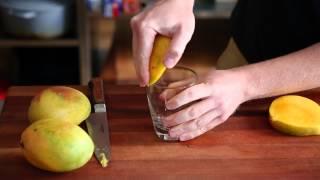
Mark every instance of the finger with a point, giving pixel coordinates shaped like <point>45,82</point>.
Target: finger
<point>198,132</point>
<point>167,94</point>
<point>194,124</point>
<point>175,88</point>
<point>180,129</point>
<point>134,50</point>
<point>193,93</point>
<point>182,83</point>
<point>208,117</point>
<point>178,44</point>
<point>143,39</point>
<point>192,112</point>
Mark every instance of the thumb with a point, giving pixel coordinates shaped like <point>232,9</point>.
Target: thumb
<point>178,44</point>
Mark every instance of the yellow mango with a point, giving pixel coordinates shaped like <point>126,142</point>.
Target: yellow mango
<point>159,51</point>
<point>54,146</point>
<point>295,115</point>
<point>60,103</point>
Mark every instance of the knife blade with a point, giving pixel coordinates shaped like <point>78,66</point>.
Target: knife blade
<point>97,122</point>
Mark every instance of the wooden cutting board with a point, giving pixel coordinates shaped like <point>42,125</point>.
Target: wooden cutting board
<point>245,147</point>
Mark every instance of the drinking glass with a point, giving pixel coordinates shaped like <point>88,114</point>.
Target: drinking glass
<point>172,82</point>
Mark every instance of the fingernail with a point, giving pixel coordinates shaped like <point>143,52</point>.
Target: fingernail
<point>174,133</point>
<point>170,61</point>
<point>142,84</point>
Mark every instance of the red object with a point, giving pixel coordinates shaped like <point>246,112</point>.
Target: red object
<point>115,10</point>
<point>4,85</point>
<point>131,6</point>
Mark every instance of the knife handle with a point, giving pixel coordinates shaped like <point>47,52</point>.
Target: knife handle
<point>96,87</point>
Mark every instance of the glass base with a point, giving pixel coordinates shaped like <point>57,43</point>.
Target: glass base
<point>161,131</point>
<point>164,135</point>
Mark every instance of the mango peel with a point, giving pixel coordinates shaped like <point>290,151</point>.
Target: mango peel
<point>156,64</point>
<point>295,115</point>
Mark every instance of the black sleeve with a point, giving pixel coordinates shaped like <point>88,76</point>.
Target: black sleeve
<point>265,29</point>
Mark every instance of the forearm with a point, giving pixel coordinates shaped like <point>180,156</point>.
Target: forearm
<point>286,74</point>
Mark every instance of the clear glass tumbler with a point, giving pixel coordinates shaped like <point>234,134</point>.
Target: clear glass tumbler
<point>171,83</point>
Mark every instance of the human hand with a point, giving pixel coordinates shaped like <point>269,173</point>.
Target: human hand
<point>217,96</point>
<point>172,18</point>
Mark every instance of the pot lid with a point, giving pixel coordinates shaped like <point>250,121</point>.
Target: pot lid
<point>34,5</point>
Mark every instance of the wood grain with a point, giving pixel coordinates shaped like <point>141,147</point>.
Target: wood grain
<point>245,147</point>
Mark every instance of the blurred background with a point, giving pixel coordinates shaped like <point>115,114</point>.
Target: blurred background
<point>66,42</point>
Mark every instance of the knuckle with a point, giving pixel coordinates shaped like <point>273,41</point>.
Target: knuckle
<point>194,125</point>
<point>133,22</point>
<point>211,102</point>
<point>192,112</point>
<point>190,94</point>
<point>218,99</point>
<point>138,24</point>
<point>142,24</point>
<point>191,127</point>
<point>199,122</point>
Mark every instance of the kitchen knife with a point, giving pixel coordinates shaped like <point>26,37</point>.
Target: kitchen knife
<point>97,123</point>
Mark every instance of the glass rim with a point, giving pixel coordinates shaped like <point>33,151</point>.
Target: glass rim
<point>185,86</point>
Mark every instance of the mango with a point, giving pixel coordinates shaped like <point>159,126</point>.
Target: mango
<point>295,115</point>
<point>60,103</point>
<point>156,66</point>
<point>54,146</point>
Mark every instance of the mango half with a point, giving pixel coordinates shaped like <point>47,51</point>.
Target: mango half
<point>54,146</point>
<point>295,115</point>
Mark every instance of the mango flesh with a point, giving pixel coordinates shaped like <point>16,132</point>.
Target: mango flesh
<point>60,103</point>
<point>57,147</point>
<point>159,51</point>
<point>295,115</point>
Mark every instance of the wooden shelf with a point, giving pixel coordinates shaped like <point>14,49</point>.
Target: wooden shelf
<point>39,43</point>
<point>79,39</point>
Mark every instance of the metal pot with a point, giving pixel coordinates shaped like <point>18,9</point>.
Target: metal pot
<point>35,18</point>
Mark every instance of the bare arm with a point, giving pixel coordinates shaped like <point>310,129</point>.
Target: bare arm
<point>286,74</point>
<point>222,91</point>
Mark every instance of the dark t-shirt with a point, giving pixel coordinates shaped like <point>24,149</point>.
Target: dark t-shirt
<point>265,29</point>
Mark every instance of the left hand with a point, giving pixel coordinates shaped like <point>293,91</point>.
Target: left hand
<point>218,95</point>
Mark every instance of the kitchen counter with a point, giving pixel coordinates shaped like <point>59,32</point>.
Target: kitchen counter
<point>243,147</point>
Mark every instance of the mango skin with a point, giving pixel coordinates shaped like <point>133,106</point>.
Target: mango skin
<point>54,146</point>
<point>60,102</point>
<point>156,67</point>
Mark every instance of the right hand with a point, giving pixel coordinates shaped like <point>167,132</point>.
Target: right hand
<point>172,18</point>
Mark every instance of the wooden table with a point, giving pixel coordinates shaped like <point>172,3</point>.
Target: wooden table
<point>243,147</point>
